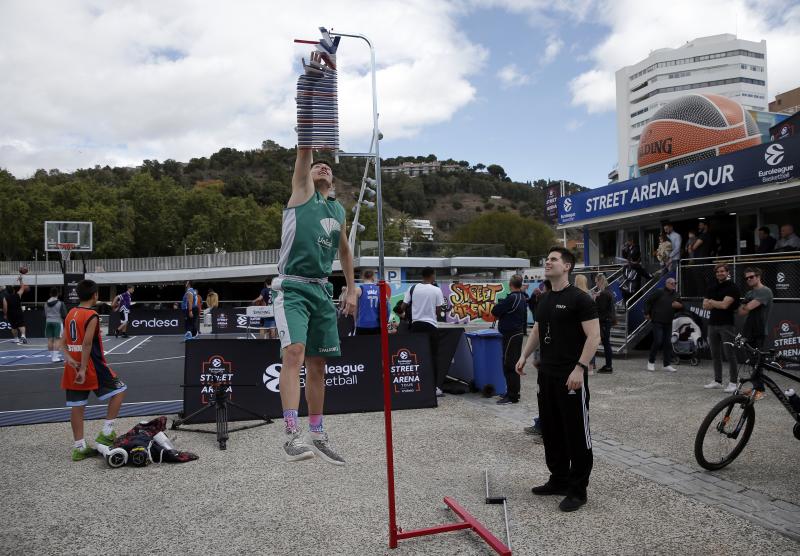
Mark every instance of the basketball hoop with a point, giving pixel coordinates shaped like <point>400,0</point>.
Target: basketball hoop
<point>66,250</point>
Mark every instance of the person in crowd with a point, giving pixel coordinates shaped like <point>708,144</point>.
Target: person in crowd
<point>631,250</point>
<point>766,243</point>
<point>54,313</point>
<point>512,317</point>
<point>756,308</point>
<point>704,244</point>
<point>568,332</point>
<point>722,300</point>
<point>632,275</point>
<point>86,370</point>
<point>12,312</point>
<point>789,241</point>
<point>675,240</point>
<point>368,308</point>
<point>268,326</point>
<point>212,299</point>
<point>607,315</point>
<point>691,237</point>
<point>123,306</point>
<point>425,300</point>
<point>659,309</point>
<point>663,251</point>
<point>190,306</point>
<point>582,283</point>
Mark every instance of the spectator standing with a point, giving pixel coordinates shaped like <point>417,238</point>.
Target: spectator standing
<point>631,250</point>
<point>54,313</point>
<point>607,315</point>
<point>659,309</point>
<point>425,300</point>
<point>766,243</point>
<point>722,300</point>
<point>212,299</point>
<point>189,307</point>
<point>789,241</point>
<point>512,317</point>
<point>632,274</point>
<point>368,320</point>
<point>663,251</point>
<point>675,239</point>
<point>582,283</point>
<point>691,237</point>
<point>704,244</point>
<point>268,327</point>
<point>756,307</point>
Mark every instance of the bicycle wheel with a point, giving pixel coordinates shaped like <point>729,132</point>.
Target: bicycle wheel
<point>724,432</point>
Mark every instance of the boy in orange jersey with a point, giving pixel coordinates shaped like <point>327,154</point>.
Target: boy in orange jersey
<point>86,369</point>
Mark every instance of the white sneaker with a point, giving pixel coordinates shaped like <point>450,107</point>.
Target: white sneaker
<point>670,369</point>
<point>731,387</point>
<point>439,393</point>
<point>714,384</point>
<point>651,366</point>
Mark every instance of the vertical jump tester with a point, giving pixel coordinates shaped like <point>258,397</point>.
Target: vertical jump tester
<point>318,128</point>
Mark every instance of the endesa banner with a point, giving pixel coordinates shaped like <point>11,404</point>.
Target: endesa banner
<point>765,164</point>
<point>34,324</point>
<point>250,370</point>
<point>144,322</point>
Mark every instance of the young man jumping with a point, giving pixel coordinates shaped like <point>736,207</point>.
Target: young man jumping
<point>312,231</point>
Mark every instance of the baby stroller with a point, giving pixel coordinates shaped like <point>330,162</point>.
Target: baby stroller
<point>687,338</point>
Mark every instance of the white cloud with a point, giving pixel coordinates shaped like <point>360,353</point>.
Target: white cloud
<point>511,76</point>
<point>638,27</point>
<point>554,46</point>
<point>90,82</point>
<point>574,125</point>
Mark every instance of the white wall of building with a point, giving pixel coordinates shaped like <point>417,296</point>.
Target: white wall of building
<point>720,64</point>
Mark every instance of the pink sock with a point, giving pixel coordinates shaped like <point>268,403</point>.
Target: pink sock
<point>315,423</point>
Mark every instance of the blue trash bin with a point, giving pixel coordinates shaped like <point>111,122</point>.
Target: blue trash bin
<point>487,360</point>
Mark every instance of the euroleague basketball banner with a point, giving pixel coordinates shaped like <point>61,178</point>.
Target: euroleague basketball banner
<point>250,370</point>
<point>226,320</point>
<point>769,163</point>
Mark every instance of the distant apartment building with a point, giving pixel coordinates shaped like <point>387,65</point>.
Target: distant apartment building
<point>424,226</point>
<point>415,169</point>
<point>786,103</point>
<point>719,64</point>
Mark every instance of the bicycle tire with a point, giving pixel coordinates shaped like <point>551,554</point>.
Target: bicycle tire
<point>749,415</point>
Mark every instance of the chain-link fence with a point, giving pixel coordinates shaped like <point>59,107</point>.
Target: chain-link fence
<point>780,272</point>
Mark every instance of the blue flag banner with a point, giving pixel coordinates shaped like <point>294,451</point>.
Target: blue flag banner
<point>769,163</point>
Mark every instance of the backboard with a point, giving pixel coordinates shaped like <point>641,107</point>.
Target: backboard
<point>79,233</point>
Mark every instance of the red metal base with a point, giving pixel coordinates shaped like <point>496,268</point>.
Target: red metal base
<point>469,523</point>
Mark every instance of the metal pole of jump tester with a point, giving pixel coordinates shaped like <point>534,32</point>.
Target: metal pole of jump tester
<point>387,397</point>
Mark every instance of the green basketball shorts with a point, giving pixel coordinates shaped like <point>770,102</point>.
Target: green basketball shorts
<point>305,314</point>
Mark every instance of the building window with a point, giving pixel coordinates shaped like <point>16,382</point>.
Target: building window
<point>703,58</point>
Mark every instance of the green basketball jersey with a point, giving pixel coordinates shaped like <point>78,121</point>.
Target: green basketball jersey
<point>310,237</point>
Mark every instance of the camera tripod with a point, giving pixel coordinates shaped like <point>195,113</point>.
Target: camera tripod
<point>220,401</point>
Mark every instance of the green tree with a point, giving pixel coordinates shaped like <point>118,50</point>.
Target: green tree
<point>514,232</point>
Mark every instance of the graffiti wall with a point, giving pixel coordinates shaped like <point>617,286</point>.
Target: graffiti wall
<point>467,302</point>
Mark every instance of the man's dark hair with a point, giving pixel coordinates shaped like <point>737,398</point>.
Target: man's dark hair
<point>321,161</point>
<point>636,258</point>
<point>722,265</point>
<point>188,283</point>
<point>367,274</point>
<point>566,256</point>
<point>268,281</point>
<point>764,229</point>
<point>516,281</point>
<point>754,270</point>
<point>86,289</point>
<point>427,272</point>
<point>129,286</point>
<point>53,292</point>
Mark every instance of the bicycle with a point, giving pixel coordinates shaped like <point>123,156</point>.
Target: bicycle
<point>724,432</point>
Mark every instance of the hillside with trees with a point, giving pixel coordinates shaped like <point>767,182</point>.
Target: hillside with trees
<point>232,201</point>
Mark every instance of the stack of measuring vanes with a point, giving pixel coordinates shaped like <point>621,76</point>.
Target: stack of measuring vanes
<point>317,98</point>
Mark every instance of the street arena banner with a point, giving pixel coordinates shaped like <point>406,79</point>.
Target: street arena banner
<point>250,371</point>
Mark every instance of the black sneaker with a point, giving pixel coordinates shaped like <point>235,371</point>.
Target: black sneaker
<point>533,431</point>
<point>116,333</point>
<point>549,489</point>
<point>505,400</point>
<point>124,334</point>
<point>604,370</point>
<point>571,503</point>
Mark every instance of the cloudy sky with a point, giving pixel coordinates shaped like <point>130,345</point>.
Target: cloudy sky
<point>527,84</point>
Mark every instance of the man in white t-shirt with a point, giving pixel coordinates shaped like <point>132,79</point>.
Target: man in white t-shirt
<point>425,301</point>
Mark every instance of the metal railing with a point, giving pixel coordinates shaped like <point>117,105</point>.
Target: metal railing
<point>431,249</point>
<point>143,264</point>
<point>780,273</point>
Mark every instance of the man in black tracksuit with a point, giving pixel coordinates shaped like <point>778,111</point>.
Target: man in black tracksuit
<point>567,331</point>
<point>512,317</point>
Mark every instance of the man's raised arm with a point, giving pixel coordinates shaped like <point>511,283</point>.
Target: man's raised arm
<point>302,185</point>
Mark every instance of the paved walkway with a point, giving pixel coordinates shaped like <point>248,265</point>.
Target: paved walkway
<point>686,477</point>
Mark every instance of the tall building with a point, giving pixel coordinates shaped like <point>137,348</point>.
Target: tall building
<point>786,103</point>
<point>720,64</point>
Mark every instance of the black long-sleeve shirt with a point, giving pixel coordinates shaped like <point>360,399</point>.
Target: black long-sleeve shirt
<point>511,313</point>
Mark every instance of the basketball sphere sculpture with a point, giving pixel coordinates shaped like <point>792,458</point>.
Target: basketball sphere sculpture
<point>695,127</point>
